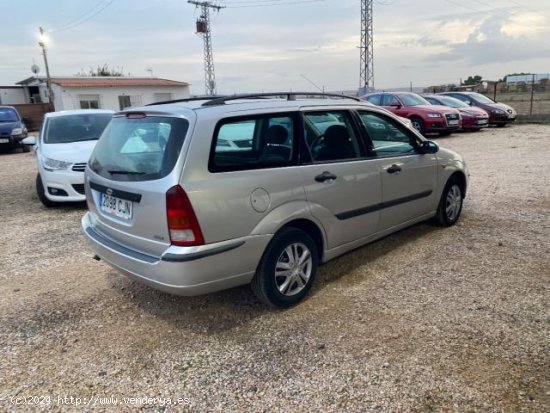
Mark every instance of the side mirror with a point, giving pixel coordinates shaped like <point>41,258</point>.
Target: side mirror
<point>29,140</point>
<point>395,104</point>
<point>429,147</point>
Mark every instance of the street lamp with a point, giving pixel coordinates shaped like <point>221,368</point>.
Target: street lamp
<point>42,42</point>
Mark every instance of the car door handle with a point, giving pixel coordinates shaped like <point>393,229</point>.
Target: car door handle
<point>394,169</point>
<point>325,176</point>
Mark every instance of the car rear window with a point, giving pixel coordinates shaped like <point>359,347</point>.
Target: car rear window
<point>75,128</point>
<point>139,149</point>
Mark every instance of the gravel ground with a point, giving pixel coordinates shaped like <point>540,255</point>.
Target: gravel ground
<point>428,319</point>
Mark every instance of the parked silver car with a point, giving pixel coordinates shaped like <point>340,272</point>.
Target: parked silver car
<point>201,195</point>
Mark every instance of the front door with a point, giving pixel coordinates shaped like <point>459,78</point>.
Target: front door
<point>408,177</point>
<point>342,185</point>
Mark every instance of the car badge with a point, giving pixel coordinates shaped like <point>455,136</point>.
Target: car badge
<point>109,191</point>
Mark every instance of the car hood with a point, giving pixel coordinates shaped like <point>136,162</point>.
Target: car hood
<point>474,110</point>
<point>7,127</point>
<point>435,108</point>
<point>75,152</point>
<point>501,106</point>
<point>446,155</point>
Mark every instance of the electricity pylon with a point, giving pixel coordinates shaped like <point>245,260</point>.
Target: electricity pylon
<point>203,29</point>
<point>366,65</point>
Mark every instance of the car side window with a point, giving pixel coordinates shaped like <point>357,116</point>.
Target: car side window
<point>388,136</point>
<point>387,100</point>
<point>254,142</point>
<point>330,136</point>
<point>432,100</point>
<point>374,99</point>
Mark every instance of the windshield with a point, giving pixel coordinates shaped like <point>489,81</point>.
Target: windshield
<point>8,115</point>
<point>409,99</point>
<point>75,128</point>
<point>453,102</point>
<point>481,98</point>
<point>139,149</point>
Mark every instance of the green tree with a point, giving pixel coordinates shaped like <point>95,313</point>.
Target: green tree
<point>473,80</point>
<point>104,70</point>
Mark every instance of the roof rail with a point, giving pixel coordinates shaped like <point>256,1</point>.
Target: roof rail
<point>192,99</point>
<point>289,96</point>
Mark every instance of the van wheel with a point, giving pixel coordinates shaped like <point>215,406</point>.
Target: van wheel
<point>40,191</point>
<point>287,269</point>
<point>450,204</point>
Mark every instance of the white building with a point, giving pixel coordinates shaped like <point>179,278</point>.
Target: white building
<point>115,93</point>
<point>12,95</point>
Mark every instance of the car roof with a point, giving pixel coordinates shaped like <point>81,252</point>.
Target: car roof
<point>78,112</point>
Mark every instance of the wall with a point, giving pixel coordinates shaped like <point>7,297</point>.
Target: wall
<point>33,114</point>
<point>67,98</point>
<point>11,95</point>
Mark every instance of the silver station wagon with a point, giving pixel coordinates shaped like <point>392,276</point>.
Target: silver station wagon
<point>200,195</point>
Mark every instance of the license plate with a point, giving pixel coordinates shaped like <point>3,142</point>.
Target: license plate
<point>4,140</point>
<point>453,122</point>
<point>482,121</point>
<point>511,117</point>
<point>118,207</point>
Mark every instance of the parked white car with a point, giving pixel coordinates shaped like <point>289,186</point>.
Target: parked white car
<point>63,148</point>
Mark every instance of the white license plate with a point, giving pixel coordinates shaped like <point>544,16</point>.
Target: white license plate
<point>511,116</point>
<point>4,140</point>
<point>453,122</point>
<point>482,121</point>
<point>118,207</point>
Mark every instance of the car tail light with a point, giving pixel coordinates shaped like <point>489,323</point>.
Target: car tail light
<point>182,222</point>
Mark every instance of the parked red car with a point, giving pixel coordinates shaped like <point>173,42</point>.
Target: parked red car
<point>425,117</point>
<point>499,114</point>
<point>473,118</point>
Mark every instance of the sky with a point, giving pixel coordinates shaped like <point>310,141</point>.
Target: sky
<point>279,45</point>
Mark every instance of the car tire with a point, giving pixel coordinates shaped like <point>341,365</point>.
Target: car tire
<point>41,192</point>
<point>418,124</point>
<point>25,148</point>
<point>287,269</point>
<point>450,204</point>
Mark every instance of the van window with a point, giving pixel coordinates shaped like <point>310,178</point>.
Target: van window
<point>265,141</point>
<point>139,149</point>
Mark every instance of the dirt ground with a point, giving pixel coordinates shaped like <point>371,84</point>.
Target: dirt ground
<point>425,320</point>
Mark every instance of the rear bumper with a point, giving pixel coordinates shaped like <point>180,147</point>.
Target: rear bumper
<point>186,271</point>
<point>475,123</point>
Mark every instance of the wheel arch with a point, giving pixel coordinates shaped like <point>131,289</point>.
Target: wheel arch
<point>310,228</point>
<point>461,178</point>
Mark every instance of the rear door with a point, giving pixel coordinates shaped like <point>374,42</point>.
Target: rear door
<point>341,183</point>
<point>408,177</point>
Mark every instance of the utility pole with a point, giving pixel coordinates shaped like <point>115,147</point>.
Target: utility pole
<point>43,45</point>
<point>366,65</point>
<point>203,29</point>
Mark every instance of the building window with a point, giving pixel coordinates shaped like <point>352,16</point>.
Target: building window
<point>126,101</point>
<point>162,97</point>
<point>89,101</point>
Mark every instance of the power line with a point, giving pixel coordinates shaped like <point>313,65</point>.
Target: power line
<point>81,20</point>
<point>266,3</point>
